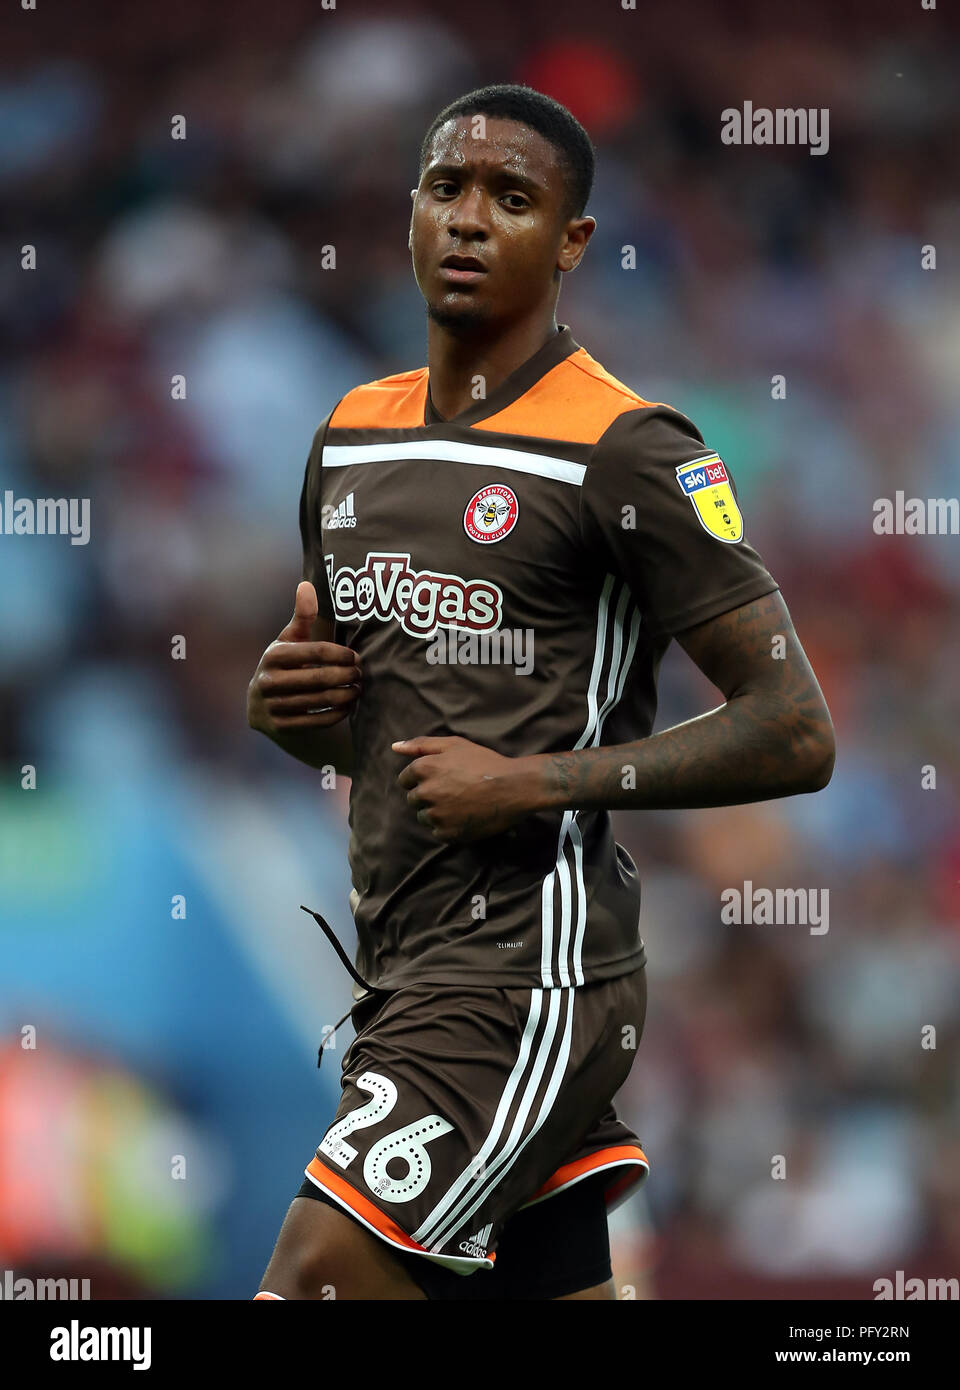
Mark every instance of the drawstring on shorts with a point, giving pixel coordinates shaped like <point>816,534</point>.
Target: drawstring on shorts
<point>345,959</point>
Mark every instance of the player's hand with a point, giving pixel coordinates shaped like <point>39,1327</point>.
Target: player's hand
<point>461,789</point>
<point>299,683</point>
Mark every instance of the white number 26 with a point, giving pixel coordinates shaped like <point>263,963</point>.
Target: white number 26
<point>408,1143</point>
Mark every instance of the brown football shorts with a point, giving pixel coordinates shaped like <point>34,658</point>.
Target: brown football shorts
<point>463,1105</point>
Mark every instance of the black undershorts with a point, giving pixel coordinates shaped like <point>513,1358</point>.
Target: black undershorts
<point>555,1247</point>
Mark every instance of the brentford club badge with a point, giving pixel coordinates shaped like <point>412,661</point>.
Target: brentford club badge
<point>491,513</point>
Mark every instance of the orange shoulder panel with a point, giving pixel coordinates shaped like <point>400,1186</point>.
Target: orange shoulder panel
<point>392,403</point>
<point>577,400</point>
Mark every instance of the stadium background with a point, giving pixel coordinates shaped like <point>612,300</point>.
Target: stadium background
<point>197,1037</point>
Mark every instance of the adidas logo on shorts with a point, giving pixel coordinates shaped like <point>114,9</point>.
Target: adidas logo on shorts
<point>344,516</point>
<point>476,1245</point>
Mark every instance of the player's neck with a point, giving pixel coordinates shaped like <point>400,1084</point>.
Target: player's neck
<point>462,365</point>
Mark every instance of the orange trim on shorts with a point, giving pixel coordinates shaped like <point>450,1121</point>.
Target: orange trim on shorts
<point>603,1158</point>
<point>366,1209</point>
<point>628,1180</point>
<point>361,1205</point>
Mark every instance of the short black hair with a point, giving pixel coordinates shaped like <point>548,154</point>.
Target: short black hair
<point>512,101</point>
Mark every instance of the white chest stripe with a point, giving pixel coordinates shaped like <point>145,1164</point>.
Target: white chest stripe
<point>454,451</point>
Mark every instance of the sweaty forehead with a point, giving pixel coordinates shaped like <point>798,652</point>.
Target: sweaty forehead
<point>503,143</point>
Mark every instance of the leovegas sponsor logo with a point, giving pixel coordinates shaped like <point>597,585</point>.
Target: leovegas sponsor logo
<point>386,587</point>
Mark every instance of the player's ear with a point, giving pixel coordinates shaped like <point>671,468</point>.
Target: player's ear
<point>578,233</point>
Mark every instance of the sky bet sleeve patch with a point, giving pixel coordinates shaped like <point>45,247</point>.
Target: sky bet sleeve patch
<point>705,482</point>
<point>654,504</point>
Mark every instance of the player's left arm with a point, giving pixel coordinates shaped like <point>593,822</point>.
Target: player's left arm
<point>773,737</point>
<point>683,560</point>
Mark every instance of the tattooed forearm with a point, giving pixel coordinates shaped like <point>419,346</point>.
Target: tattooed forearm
<point>772,738</point>
<point>740,752</point>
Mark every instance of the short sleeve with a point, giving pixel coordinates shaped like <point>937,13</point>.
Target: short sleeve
<point>311,534</point>
<point>661,509</point>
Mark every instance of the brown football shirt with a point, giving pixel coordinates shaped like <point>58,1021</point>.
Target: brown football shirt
<point>513,576</point>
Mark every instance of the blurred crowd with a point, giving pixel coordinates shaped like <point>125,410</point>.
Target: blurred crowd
<point>204,257</point>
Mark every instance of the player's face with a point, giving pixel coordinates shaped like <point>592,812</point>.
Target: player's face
<point>491,193</point>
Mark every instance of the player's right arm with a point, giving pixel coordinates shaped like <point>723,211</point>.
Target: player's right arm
<point>304,688</point>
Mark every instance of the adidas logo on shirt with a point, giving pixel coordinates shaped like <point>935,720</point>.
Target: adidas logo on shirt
<point>344,516</point>
<point>476,1245</point>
